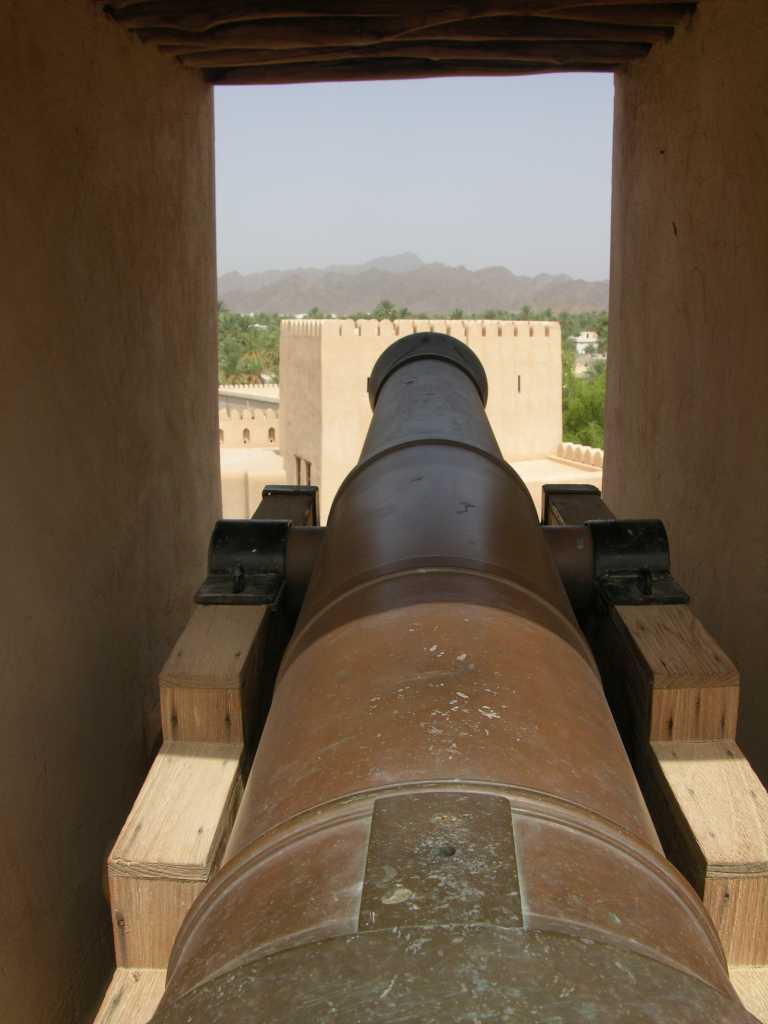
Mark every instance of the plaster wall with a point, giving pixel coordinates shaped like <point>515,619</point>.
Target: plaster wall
<point>324,407</point>
<point>687,421</point>
<point>301,413</point>
<point>107,318</point>
<point>245,473</point>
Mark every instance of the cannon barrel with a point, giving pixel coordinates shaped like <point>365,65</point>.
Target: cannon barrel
<point>441,823</point>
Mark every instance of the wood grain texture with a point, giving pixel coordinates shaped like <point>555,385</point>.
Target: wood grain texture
<point>675,680</point>
<point>215,647</point>
<point>132,996</point>
<point>723,801</point>
<point>738,907</point>
<point>320,34</point>
<point>557,52</point>
<point>692,713</point>
<point>170,846</point>
<point>194,714</point>
<point>175,827</point>
<point>751,984</point>
<point>712,814</point>
<point>675,647</point>
<point>213,678</point>
<point>146,916</point>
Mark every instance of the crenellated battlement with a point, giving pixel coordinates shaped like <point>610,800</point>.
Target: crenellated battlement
<point>250,390</point>
<point>325,411</point>
<point>580,453</point>
<point>390,330</point>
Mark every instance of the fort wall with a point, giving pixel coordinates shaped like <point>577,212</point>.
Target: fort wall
<point>248,425</point>
<point>324,402</point>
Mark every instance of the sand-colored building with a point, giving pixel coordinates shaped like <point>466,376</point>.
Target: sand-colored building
<point>324,409</point>
<point>325,405</point>
<point>249,436</point>
<point>248,416</point>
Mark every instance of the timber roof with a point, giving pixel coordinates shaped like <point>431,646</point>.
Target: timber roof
<point>242,42</point>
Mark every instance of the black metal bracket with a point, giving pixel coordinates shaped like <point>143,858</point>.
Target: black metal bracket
<point>246,557</point>
<point>246,562</point>
<point>631,562</point>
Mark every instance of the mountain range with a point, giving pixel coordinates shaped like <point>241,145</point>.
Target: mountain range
<point>406,280</point>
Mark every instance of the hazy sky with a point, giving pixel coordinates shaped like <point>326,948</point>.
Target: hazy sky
<point>472,171</point>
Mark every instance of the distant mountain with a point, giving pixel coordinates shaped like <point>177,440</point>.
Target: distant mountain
<point>406,280</point>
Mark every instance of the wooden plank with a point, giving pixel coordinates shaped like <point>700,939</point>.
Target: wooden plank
<point>193,714</point>
<point>677,650</point>
<point>751,984</point>
<point>392,70</point>
<point>322,33</point>
<point>170,845</point>
<point>214,649</point>
<point>712,814</point>
<point>201,17</point>
<point>132,996</point>
<point>210,682</point>
<point>678,682</point>
<point>246,10</point>
<point>557,52</point>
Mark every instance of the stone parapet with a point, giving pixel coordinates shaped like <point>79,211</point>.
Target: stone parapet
<point>580,453</point>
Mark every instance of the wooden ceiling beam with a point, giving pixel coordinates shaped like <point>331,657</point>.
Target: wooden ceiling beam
<point>249,37</point>
<point>357,71</point>
<point>661,14</point>
<point>556,53</point>
<point>291,36</point>
<point>201,16</point>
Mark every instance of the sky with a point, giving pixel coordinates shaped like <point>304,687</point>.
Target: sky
<point>466,171</point>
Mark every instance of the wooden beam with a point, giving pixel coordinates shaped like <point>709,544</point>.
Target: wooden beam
<point>556,53</point>
<point>338,28</point>
<point>676,681</point>
<point>489,29</point>
<point>170,846</point>
<point>325,32</point>
<point>210,683</point>
<point>661,14</point>
<point>221,11</point>
<point>132,996</point>
<point>359,71</point>
<point>751,984</point>
<point>712,815</point>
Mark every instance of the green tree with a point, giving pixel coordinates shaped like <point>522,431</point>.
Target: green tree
<point>248,346</point>
<point>583,406</point>
<point>387,310</point>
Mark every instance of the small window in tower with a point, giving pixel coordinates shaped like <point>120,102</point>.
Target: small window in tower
<point>246,436</point>
<point>298,470</point>
<point>221,436</point>
<point>519,384</point>
<point>271,435</point>
<point>308,467</point>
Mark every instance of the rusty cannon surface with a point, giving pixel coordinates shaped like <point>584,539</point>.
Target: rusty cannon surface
<point>441,824</point>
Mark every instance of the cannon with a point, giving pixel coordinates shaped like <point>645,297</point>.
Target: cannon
<point>441,823</point>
